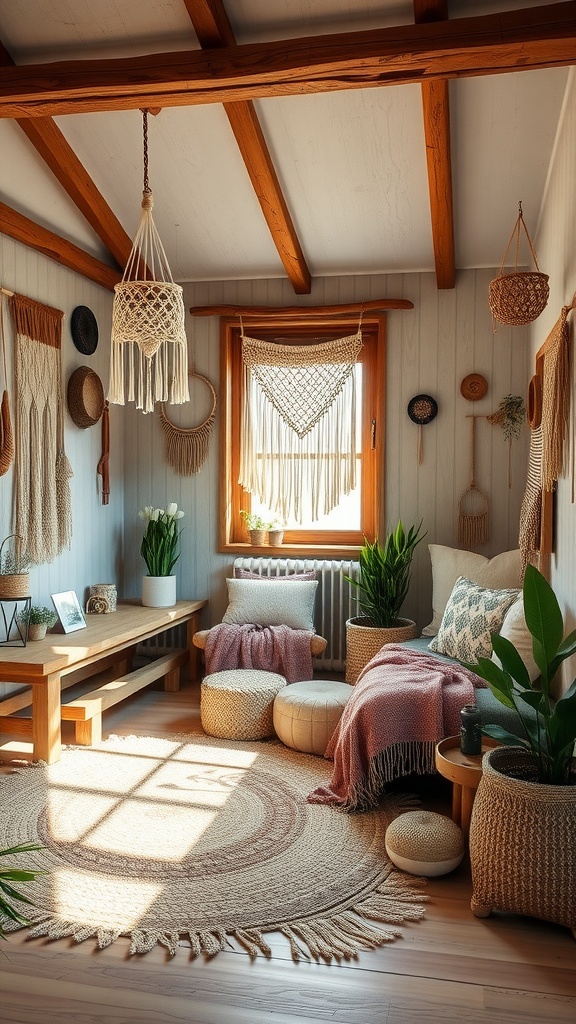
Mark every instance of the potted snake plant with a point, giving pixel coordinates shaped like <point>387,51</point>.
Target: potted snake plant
<point>522,849</point>
<point>382,586</point>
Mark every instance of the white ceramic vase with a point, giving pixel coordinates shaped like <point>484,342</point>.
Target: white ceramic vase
<point>158,591</point>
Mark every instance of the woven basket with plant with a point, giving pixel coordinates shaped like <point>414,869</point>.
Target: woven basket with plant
<point>14,565</point>
<point>520,296</point>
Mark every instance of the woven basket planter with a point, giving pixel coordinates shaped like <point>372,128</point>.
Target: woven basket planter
<point>522,849</point>
<point>14,585</point>
<point>520,296</point>
<point>363,641</point>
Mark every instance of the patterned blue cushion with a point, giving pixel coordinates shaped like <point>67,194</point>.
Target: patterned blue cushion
<point>471,615</point>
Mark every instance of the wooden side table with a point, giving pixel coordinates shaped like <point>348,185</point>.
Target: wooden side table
<point>464,772</point>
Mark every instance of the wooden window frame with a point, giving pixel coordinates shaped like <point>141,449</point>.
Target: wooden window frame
<point>233,497</point>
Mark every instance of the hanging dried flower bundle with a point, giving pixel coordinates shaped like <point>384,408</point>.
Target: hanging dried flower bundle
<point>510,415</point>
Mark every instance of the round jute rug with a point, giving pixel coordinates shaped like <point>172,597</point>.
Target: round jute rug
<point>189,841</point>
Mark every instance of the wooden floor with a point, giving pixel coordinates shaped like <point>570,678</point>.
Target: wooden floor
<point>449,967</point>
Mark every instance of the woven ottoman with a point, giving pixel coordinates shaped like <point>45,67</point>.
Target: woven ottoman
<point>237,704</point>
<point>424,843</point>
<point>306,714</point>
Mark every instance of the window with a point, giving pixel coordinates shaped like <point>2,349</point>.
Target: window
<point>359,514</point>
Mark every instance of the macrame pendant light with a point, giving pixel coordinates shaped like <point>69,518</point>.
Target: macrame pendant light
<point>149,359</point>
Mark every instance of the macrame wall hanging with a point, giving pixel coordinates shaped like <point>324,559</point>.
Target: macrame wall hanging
<point>531,507</point>
<point>298,434</point>
<point>555,401</point>
<point>42,501</point>
<point>6,435</point>
<point>187,447</point>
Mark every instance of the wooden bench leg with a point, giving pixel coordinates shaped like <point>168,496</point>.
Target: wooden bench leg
<point>89,732</point>
<point>172,681</point>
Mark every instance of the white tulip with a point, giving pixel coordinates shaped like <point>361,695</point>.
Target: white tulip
<point>178,515</point>
<point>172,509</point>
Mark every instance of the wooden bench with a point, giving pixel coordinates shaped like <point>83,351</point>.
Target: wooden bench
<point>86,711</point>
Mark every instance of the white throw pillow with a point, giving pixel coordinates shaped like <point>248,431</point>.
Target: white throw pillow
<point>515,630</point>
<point>284,604</point>
<point>501,571</point>
<point>471,615</point>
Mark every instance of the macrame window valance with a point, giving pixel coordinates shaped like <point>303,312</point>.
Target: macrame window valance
<point>42,500</point>
<point>299,424</point>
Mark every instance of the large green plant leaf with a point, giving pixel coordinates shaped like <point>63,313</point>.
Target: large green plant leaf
<point>542,613</point>
<point>511,660</point>
<point>509,739</point>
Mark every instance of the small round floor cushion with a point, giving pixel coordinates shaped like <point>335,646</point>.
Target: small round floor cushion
<point>237,704</point>
<point>424,843</point>
<point>306,713</point>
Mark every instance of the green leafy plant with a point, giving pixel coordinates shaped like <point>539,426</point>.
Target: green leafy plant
<point>385,574</point>
<point>38,616</point>
<point>550,733</point>
<point>253,521</point>
<point>159,547</point>
<point>15,559</point>
<point>8,892</point>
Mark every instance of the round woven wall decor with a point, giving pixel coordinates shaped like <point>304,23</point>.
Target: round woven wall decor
<point>85,396</point>
<point>422,409</point>
<point>474,387</point>
<point>187,447</point>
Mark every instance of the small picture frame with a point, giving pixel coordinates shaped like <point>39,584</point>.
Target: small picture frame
<point>69,611</point>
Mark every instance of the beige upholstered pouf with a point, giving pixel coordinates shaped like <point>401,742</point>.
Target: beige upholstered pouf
<point>424,843</point>
<point>306,714</point>
<point>237,704</point>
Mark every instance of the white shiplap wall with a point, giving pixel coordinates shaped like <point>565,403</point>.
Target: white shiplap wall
<point>430,349</point>
<point>96,554</point>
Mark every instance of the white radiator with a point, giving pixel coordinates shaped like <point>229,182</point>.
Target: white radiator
<point>172,639</point>
<point>335,601</point>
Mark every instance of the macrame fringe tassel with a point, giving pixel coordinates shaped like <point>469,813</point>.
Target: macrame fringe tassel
<point>145,380</point>
<point>472,529</point>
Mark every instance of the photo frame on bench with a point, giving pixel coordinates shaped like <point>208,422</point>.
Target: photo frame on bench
<point>69,611</point>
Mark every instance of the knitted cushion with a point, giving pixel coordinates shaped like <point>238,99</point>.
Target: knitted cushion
<point>306,713</point>
<point>237,704</point>
<point>424,843</point>
<point>286,603</point>
<point>472,613</point>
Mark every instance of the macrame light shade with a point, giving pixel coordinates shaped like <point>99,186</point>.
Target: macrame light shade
<point>149,358</point>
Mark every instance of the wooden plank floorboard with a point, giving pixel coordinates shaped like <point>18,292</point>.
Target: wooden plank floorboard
<point>449,967</point>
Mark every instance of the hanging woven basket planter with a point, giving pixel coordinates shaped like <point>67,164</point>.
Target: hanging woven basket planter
<point>520,296</point>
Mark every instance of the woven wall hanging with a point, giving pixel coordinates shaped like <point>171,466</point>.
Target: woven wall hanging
<point>422,409</point>
<point>473,506</point>
<point>6,435</point>
<point>555,401</point>
<point>520,296</point>
<point>187,447</point>
<point>42,500</point>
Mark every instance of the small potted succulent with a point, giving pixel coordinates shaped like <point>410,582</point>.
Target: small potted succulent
<point>38,619</point>
<point>257,527</point>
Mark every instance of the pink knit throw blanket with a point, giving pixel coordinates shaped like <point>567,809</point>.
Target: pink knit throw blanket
<point>268,648</point>
<point>403,703</point>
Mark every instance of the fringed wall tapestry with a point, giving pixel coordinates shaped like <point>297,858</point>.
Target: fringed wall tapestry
<point>555,401</point>
<point>6,435</point>
<point>187,447</point>
<point>42,502</point>
<point>298,435</point>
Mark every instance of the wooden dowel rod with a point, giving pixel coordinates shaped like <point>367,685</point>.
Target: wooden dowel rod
<point>371,305</point>
<point>6,291</point>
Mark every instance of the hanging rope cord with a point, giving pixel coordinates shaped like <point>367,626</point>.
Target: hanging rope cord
<point>298,438</point>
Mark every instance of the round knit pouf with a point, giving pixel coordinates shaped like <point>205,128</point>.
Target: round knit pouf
<point>306,714</point>
<point>424,843</point>
<point>237,704</point>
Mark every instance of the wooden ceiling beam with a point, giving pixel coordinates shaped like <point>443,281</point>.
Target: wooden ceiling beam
<point>436,111</point>
<point>535,37</point>
<point>59,249</point>
<point>213,29</point>
<point>50,143</point>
